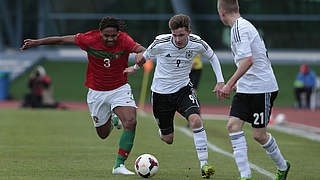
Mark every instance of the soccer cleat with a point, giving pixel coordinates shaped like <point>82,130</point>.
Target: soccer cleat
<point>122,170</point>
<point>282,175</point>
<point>245,178</point>
<point>116,121</point>
<point>207,171</point>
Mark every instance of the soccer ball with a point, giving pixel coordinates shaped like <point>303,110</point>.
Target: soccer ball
<point>146,165</point>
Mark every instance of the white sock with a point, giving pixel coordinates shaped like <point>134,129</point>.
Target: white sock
<point>200,142</point>
<point>273,151</point>
<point>240,149</point>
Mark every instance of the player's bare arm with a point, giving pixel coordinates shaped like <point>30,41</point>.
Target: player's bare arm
<point>140,49</point>
<point>140,60</point>
<point>244,66</point>
<point>58,40</point>
<point>132,69</point>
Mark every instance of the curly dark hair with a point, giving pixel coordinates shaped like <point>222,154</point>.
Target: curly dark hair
<point>112,22</point>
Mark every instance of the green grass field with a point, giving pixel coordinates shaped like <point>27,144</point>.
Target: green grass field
<point>52,144</point>
<point>68,82</point>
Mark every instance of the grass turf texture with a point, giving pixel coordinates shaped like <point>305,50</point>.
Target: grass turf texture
<point>51,144</point>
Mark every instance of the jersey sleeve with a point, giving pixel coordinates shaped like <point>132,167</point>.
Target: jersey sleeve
<point>242,39</point>
<point>208,53</point>
<point>80,40</point>
<point>206,50</point>
<point>130,44</point>
<point>151,51</point>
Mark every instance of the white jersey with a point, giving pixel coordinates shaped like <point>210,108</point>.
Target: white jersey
<point>246,42</point>
<point>174,64</point>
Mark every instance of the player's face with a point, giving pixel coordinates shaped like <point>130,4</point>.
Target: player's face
<point>180,36</point>
<point>109,36</point>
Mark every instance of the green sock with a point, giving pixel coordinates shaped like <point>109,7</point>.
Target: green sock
<point>115,120</point>
<point>125,146</point>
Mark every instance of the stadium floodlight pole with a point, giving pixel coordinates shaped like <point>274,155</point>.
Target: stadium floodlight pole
<point>148,66</point>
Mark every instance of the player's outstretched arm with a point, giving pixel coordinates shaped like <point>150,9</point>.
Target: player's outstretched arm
<point>59,40</point>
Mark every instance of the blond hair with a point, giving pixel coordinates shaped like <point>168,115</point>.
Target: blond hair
<point>230,6</point>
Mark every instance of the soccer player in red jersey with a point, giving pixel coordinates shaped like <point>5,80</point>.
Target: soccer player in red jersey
<point>108,51</point>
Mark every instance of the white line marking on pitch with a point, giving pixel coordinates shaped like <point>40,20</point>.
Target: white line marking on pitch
<point>219,150</point>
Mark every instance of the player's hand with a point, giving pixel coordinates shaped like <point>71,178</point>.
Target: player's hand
<point>225,91</point>
<point>29,43</point>
<point>129,70</point>
<point>140,60</point>
<point>234,88</point>
<point>217,90</point>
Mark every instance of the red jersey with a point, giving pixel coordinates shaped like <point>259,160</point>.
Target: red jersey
<point>106,65</point>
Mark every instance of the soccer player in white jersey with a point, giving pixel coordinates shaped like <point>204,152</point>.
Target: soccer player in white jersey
<point>171,87</point>
<point>255,91</point>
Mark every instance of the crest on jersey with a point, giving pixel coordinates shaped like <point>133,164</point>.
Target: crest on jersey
<point>189,54</point>
<point>117,55</point>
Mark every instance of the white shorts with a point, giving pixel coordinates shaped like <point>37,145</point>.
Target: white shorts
<point>101,103</point>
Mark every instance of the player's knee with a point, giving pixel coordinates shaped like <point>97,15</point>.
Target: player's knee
<point>129,123</point>
<point>103,135</point>
<point>195,121</point>
<point>233,126</point>
<point>103,131</point>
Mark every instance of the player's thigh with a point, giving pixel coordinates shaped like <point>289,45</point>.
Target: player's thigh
<point>195,76</point>
<point>163,111</point>
<point>240,108</point>
<point>261,106</point>
<point>127,115</point>
<point>122,96</point>
<point>100,110</point>
<point>187,102</point>
<point>123,104</point>
<point>234,124</point>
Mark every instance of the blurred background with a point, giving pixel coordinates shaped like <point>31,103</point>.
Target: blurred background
<point>289,28</point>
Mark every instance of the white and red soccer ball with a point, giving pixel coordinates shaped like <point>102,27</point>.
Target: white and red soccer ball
<point>146,165</point>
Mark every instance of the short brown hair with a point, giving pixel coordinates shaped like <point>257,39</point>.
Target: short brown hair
<point>230,6</point>
<point>179,21</point>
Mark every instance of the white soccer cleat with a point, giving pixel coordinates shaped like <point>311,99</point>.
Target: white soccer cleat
<point>122,170</point>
